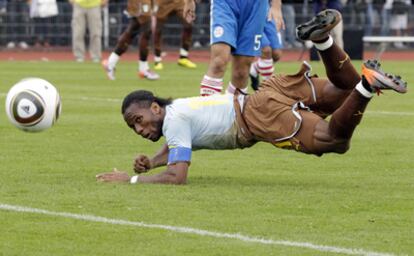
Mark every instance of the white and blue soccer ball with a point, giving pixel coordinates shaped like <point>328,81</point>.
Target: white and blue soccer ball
<point>33,104</point>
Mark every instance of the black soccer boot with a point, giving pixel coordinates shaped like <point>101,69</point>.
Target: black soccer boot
<point>318,27</point>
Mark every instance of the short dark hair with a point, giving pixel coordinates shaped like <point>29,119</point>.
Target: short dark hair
<point>144,99</point>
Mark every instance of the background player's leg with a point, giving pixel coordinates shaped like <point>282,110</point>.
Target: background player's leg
<point>262,66</point>
<point>143,43</point>
<point>240,73</point>
<point>157,44</point>
<point>121,47</point>
<point>212,82</point>
<point>186,39</point>
<point>144,39</point>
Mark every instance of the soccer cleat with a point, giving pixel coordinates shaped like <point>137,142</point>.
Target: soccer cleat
<point>379,80</point>
<point>110,73</point>
<point>158,66</point>
<point>148,74</point>
<point>185,62</point>
<point>318,27</point>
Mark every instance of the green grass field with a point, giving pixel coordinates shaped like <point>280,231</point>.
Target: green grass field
<point>358,203</point>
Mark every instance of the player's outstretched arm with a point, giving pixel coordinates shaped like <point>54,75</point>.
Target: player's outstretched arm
<point>175,174</point>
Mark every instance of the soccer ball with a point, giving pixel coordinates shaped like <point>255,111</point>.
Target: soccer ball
<point>33,104</point>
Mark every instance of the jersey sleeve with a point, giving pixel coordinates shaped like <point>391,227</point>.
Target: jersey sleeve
<point>178,136</point>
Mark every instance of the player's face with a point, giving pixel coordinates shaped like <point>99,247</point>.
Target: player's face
<point>146,122</point>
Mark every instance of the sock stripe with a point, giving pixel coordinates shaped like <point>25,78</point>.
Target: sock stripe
<point>267,74</point>
<point>265,67</point>
<point>364,92</point>
<point>212,84</point>
<point>206,87</point>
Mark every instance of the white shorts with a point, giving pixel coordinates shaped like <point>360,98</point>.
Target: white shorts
<point>399,21</point>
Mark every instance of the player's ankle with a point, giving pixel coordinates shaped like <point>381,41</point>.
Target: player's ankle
<point>361,88</point>
<point>210,86</point>
<point>322,45</point>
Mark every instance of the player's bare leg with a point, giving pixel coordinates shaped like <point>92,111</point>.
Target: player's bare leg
<point>212,82</point>
<point>158,44</point>
<point>144,70</point>
<point>342,75</point>
<point>121,47</point>
<point>335,135</point>
<point>186,39</point>
<point>347,87</point>
<point>240,73</point>
<point>264,66</point>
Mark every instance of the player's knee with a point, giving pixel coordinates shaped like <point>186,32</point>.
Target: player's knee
<point>132,29</point>
<point>187,26</point>
<point>218,64</point>
<point>333,146</point>
<point>239,73</point>
<point>144,19</point>
<point>325,142</point>
<point>267,52</point>
<point>276,55</point>
<point>342,146</point>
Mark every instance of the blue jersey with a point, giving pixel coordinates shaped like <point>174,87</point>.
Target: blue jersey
<point>271,37</point>
<point>200,123</point>
<point>239,23</point>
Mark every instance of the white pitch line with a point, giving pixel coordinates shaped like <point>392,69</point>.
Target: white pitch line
<point>120,100</point>
<point>390,113</point>
<point>194,231</point>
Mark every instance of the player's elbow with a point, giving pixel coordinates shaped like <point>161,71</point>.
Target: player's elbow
<point>177,173</point>
<point>343,147</point>
<point>177,180</point>
<point>180,181</point>
<point>218,64</point>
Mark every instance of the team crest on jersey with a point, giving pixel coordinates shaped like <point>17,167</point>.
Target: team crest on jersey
<point>218,31</point>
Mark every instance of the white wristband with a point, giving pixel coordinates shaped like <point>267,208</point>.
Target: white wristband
<point>134,179</point>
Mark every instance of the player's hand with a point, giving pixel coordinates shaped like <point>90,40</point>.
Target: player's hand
<point>189,11</point>
<point>142,164</point>
<point>277,16</point>
<point>114,176</point>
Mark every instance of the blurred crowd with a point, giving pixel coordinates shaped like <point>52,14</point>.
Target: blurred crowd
<point>45,23</point>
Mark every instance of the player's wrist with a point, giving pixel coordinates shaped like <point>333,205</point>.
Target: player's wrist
<point>152,164</point>
<point>134,179</point>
